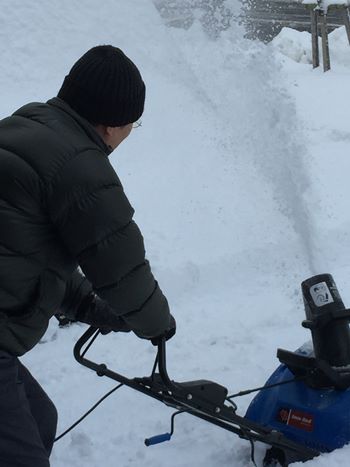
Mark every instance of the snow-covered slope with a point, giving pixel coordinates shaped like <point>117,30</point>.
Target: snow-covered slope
<point>224,191</point>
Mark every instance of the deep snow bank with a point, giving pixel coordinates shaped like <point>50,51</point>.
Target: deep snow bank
<point>322,109</point>
<point>297,46</point>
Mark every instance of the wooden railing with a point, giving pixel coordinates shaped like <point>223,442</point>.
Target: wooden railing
<point>264,19</point>
<point>319,12</point>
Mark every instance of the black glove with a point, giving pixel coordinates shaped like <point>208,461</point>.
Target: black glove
<point>168,333</point>
<point>99,314</point>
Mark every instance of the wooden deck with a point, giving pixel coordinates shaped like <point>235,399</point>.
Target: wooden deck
<point>265,18</point>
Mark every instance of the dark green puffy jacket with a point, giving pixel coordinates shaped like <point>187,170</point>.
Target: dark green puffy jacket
<point>63,206</point>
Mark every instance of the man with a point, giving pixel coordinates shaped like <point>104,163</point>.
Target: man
<point>62,206</point>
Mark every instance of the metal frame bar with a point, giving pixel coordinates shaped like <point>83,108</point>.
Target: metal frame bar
<point>160,387</point>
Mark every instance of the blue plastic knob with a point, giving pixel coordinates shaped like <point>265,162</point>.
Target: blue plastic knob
<point>158,439</point>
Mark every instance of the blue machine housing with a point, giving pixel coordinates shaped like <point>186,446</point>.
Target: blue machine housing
<point>316,418</point>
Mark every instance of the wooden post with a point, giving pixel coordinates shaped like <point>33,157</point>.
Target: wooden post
<point>347,21</point>
<point>325,43</point>
<point>314,38</point>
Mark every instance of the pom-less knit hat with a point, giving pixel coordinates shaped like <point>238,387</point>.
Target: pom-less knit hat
<point>105,87</point>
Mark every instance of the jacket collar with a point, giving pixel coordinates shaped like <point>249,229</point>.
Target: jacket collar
<point>86,126</point>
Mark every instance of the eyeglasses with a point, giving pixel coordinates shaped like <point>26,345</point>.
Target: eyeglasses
<point>137,124</point>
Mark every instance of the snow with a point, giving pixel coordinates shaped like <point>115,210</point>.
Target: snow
<point>294,44</point>
<point>239,177</point>
<point>297,46</point>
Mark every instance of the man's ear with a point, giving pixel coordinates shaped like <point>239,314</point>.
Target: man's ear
<point>111,130</point>
<point>102,130</point>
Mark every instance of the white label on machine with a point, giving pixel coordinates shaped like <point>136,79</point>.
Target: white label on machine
<point>320,294</point>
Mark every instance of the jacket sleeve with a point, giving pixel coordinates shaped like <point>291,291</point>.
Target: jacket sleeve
<point>94,219</point>
<point>78,289</point>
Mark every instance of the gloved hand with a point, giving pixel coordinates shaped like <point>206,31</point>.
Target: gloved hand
<point>99,314</point>
<point>168,333</point>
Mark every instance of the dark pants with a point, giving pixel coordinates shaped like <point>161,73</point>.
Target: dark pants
<point>28,418</point>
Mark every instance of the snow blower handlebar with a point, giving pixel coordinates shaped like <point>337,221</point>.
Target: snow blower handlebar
<point>204,399</point>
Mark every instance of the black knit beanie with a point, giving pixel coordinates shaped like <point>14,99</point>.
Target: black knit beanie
<point>105,87</point>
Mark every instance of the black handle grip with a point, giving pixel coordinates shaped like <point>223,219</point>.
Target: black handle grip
<point>78,355</point>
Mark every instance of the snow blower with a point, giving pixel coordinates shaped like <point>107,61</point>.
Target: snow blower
<point>314,410</point>
<point>302,410</point>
